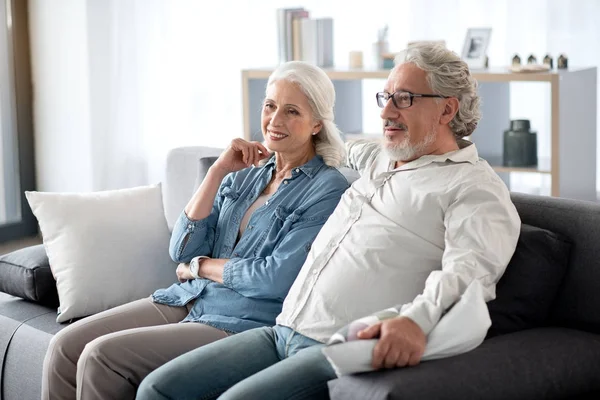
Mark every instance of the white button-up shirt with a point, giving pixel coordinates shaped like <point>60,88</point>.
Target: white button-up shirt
<point>412,237</point>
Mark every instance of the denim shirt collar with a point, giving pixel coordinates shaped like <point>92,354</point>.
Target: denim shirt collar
<point>310,168</point>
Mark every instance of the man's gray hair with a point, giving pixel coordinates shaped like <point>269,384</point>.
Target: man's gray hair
<point>448,75</point>
<point>317,86</point>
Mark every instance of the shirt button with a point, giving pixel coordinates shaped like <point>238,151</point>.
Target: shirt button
<point>267,203</point>
<point>297,170</point>
<point>250,227</point>
<point>285,182</point>
<point>332,244</point>
<point>315,271</point>
<point>190,226</point>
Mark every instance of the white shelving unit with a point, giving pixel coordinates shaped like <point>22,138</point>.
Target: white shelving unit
<point>571,164</point>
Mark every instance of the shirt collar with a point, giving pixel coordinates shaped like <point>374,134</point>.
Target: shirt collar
<point>467,152</point>
<point>310,168</point>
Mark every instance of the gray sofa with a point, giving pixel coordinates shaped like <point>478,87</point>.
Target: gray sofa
<point>544,342</point>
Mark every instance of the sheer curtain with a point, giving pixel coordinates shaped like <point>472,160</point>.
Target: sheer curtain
<point>167,73</point>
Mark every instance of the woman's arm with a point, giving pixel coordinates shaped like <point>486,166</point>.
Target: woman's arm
<point>194,231</point>
<point>195,236</point>
<point>201,203</point>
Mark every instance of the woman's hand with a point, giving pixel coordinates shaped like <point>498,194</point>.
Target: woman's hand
<point>241,154</point>
<point>183,272</point>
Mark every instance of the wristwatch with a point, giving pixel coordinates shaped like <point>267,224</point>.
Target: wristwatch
<point>195,266</point>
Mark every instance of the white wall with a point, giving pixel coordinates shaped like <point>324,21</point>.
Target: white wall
<point>60,75</point>
<point>120,82</point>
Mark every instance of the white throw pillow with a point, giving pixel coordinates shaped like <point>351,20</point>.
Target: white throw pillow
<point>105,248</point>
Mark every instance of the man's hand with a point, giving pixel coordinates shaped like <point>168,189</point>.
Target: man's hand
<point>183,272</point>
<point>401,343</point>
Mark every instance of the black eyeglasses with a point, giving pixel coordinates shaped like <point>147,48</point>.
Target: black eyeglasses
<point>401,99</point>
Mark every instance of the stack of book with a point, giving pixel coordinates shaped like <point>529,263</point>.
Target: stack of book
<point>303,38</point>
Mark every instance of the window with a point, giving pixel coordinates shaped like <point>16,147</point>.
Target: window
<point>16,135</point>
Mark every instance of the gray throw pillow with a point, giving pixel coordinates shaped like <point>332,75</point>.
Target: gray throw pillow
<point>526,292</point>
<point>26,273</point>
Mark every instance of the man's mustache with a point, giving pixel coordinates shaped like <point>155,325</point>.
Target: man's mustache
<point>397,125</point>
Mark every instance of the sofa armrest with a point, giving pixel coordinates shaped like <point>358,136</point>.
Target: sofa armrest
<point>26,273</point>
<point>549,363</point>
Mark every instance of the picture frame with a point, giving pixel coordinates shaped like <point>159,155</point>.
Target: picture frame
<point>475,48</point>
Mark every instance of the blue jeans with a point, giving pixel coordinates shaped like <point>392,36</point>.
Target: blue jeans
<point>263,363</point>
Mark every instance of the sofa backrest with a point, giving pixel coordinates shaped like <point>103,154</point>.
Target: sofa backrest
<point>578,300</point>
<point>181,173</point>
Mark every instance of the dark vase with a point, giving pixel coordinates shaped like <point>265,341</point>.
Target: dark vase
<point>520,145</point>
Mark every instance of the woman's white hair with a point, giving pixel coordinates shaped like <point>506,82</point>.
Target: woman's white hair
<point>447,75</point>
<point>319,90</point>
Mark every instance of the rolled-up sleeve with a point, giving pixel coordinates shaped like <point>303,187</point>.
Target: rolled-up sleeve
<point>271,277</point>
<point>482,229</point>
<point>191,238</point>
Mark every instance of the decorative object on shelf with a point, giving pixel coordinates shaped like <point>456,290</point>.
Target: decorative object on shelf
<point>381,47</point>
<point>516,60</point>
<point>475,47</point>
<point>520,145</point>
<point>562,62</point>
<point>531,59</point>
<point>388,60</point>
<point>487,62</point>
<point>356,59</point>
<point>548,61</point>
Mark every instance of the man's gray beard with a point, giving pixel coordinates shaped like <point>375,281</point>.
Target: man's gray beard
<point>405,152</point>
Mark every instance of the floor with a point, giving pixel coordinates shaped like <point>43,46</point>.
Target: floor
<point>19,244</point>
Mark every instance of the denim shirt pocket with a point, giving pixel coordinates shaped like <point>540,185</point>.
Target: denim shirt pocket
<point>229,193</point>
<point>281,222</point>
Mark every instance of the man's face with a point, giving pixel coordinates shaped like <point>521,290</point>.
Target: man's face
<point>410,132</point>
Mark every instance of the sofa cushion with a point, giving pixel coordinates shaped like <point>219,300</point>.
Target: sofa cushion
<point>26,273</point>
<point>542,363</point>
<point>527,290</point>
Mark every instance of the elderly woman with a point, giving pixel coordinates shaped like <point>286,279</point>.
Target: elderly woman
<point>240,242</point>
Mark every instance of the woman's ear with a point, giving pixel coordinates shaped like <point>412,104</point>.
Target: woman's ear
<point>317,127</point>
<point>449,111</point>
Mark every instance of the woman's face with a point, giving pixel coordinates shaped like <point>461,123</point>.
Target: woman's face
<point>287,121</point>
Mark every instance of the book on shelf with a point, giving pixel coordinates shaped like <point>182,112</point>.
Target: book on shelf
<point>285,19</point>
<point>325,42</point>
<point>303,38</point>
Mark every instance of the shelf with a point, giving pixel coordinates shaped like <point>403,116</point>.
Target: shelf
<point>495,162</point>
<point>497,74</point>
<point>572,131</point>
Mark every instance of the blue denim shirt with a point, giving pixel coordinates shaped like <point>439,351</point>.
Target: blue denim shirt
<point>265,262</point>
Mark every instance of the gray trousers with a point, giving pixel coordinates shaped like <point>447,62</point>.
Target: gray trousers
<point>107,355</point>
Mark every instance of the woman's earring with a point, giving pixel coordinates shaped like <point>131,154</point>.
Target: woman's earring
<point>314,133</point>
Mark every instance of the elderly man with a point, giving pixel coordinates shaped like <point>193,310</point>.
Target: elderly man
<point>426,218</point>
